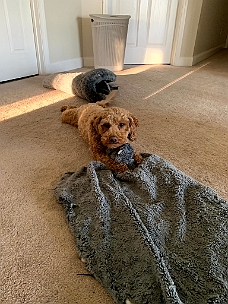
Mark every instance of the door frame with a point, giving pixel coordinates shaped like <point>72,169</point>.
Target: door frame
<point>40,35</point>
<point>176,59</point>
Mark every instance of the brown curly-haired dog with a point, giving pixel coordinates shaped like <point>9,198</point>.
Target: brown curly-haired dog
<point>103,128</point>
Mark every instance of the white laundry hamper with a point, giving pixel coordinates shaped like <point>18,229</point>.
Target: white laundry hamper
<point>109,34</point>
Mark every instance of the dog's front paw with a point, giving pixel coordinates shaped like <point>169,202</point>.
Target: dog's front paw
<point>63,108</point>
<point>138,158</point>
<point>119,168</point>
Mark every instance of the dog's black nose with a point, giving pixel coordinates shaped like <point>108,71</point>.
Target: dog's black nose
<point>113,139</point>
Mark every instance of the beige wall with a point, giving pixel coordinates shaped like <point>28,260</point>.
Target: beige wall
<point>63,21</point>
<point>213,26</point>
<point>93,7</point>
<point>190,28</point>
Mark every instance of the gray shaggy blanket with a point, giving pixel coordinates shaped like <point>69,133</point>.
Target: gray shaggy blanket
<point>150,235</point>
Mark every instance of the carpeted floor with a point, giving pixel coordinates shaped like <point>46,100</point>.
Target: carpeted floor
<point>183,115</point>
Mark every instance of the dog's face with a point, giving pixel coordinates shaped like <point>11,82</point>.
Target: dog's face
<point>116,127</point>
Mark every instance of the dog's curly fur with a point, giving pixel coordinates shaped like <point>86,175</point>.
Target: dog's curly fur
<point>103,127</point>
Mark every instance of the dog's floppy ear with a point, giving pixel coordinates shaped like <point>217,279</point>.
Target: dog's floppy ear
<point>134,123</point>
<point>93,135</point>
<point>93,129</point>
<point>95,123</point>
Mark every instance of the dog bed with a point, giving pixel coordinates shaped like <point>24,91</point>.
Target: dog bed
<point>150,235</point>
<point>93,85</point>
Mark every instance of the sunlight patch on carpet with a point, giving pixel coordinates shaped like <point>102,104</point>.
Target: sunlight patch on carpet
<point>134,70</point>
<point>27,105</point>
<point>176,80</point>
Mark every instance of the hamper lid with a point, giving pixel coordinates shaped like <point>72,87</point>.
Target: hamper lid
<point>110,17</point>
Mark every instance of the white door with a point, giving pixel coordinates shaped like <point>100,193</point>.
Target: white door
<point>150,31</point>
<point>17,47</point>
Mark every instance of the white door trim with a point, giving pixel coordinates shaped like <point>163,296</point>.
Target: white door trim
<point>176,58</point>
<point>40,35</point>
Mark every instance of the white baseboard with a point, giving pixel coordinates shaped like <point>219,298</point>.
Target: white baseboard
<point>184,61</point>
<point>201,56</point>
<point>63,66</point>
<point>190,61</point>
<point>88,62</point>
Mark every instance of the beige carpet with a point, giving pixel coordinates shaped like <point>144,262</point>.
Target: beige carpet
<point>183,114</point>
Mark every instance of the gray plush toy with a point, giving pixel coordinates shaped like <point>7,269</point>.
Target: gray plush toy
<point>93,85</point>
<point>123,154</point>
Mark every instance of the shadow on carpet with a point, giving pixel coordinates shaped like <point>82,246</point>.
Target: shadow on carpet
<point>151,235</point>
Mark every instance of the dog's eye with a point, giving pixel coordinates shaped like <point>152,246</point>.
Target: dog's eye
<point>121,125</point>
<point>106,125</point>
